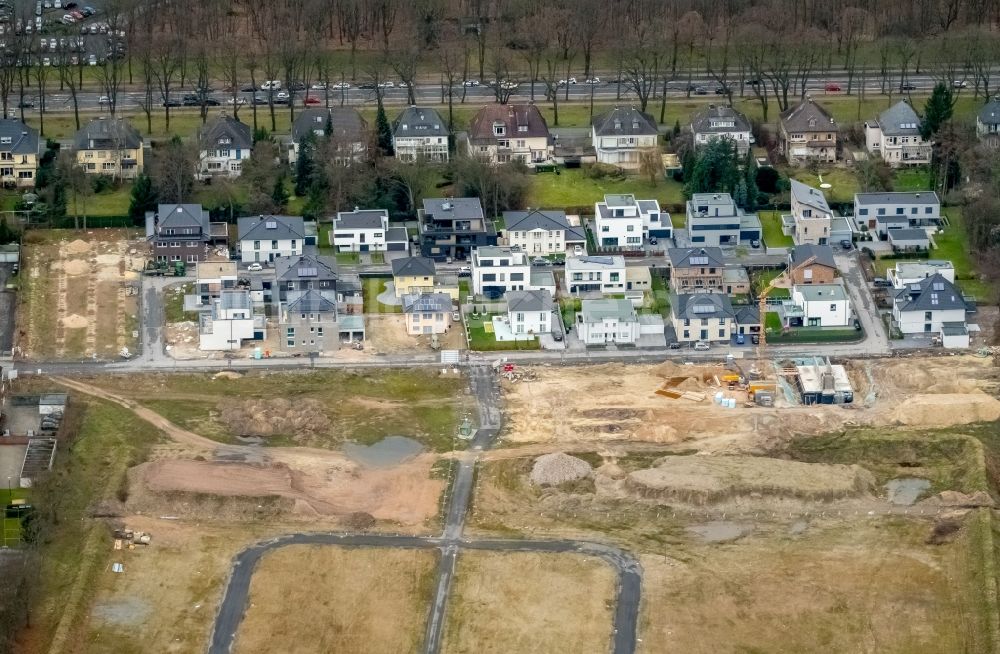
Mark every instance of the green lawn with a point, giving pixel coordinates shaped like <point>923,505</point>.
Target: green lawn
<point>323,238</point>
<point>772,323</point>
<point>10,530</point>
<point>911,179</point>
<point>759,279</point>
<point>568,306</point>
<point>843,182</point>
<point>464,289</point>
<point>173,303</point>
<point>770,221</point>
<point>660,296</point>
<point>953,245</point>
<point>482,341</point>
<point>114,202</point>
<point>372,287</point>
<point>571,188</point>
<point>348,258</point>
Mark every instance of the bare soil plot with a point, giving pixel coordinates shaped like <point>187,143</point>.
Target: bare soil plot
<point>306,599</point>
<point>387,334</point>
<point>75,300</point>
<point>521,602</point>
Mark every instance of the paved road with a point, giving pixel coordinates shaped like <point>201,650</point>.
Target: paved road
<point>876,340</point>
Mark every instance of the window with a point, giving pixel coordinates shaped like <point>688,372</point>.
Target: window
<point>614,277</point>
<point>5,140</point>
<point>630,228</point>
<point>913,210</point>
<point>291,286</point>
<point>256,245</point>
<point>927,315</point>
<point>833,307</point>
<point>722,323</point>
<point>881,212</point>
<point>862,212</point>
<point>928,210</point>
<point>274,245</point>
<point>900,211</point>
<point>722,333</point>
<point>224,154</point>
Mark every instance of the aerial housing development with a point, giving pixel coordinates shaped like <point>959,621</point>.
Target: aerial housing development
<point>521,327</point>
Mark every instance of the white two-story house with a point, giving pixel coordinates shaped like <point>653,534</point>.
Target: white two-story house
<point>620,134</point>
<point>707,317</point>
<point>607,321</point>
<point>361,230</point>
<point>595,274</point>
<point>540,233</point>
<point>811,215</point>
<point>529,312</point>
<point>822,305</point>
<point>419,133</point>
<point>722,122</point>
<point>497,270</point>
<point>224,143</point>
<point>714,219</point>
<point>932,306</point>
<point>263,238</point>
<point>881,211</point>
<point>895,135</point>
<point>623,222</point>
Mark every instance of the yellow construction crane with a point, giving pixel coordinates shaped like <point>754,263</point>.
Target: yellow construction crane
<point>780,281</point>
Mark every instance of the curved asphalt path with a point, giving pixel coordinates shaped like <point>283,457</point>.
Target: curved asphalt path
<point>485,386</point>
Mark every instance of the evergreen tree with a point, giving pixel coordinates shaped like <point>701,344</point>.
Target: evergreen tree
<point>279,194</point>
<point>715,169</point>
<point>383,131</point>
<point>144,197</point>
<point>740,193</point>
<point>937,111</point>
<point>677,127</point>
<point>305,165</point>
<point>260,134</point>
<point>750,182</point>
<point>7,235</point>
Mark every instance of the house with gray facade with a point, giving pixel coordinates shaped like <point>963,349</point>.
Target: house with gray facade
<point>881,211</point>
<point>451,228</point>
<point>182,232</point>
<point>310,305</point>
<point>713,219</point>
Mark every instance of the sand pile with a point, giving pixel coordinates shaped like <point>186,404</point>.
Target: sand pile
<point>557,468</point>
<point>75,321</point>
<point>275,417</point>
<point>79,246</point>
<point>76,267</point>
<point>705,479</point>
<point>689,384</point>
<point>944,409</point>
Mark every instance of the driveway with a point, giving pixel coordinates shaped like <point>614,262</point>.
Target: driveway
<point>876,340</point>
<point>8,303</point>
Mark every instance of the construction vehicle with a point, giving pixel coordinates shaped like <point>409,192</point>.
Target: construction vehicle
<point>165,269</point>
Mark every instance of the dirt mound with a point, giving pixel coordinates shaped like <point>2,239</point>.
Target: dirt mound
<point>79,246</point>
<point>300,420</point>
<point>957,499</point>
<point>557,468</point>
<point>226,374</point>
<point>75,267</point>
<point>945,409</point>
<point>217,479</point>
<point>689,384</point>
<point>705,479</point>
<point>75,321</point>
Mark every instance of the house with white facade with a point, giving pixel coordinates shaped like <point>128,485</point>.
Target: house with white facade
<point>881,211</point>
<point>932,306</point>
<point>909,239</point>
<point>228,321</point>
<point>619,135</point>
<point>419,133</point>
<point>607,321</point>
<point>806,133</point>
<point>224,143</point>
<point>621,221</point>
<point>811,216</point>
<point>361,230</point>
<point>263,238</point>
<point>988,122</point>
<point>713,219</point>
<point>905,273</point>
<point>707,317</point>
<point>718,122</point>
<point>895,135</point>
<point>595,274</point>
<point>822,305</point>
<point>541,232</point>
<point>529,312</point>
<point>500,133</point>
<point>497,270</point>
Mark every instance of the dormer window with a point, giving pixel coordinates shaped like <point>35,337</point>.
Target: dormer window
<point>618,124</point>
<point>635,124</point>
<point>499,129</point>
<point>522,128</point>
<point>812,122</point>
<point>225,140</point>
<point>5,140</point>
<point>319,119</point>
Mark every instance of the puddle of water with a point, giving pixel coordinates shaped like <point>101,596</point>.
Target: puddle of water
<point>389,451</point>
<point>905,490</point>
<point>719,531</point>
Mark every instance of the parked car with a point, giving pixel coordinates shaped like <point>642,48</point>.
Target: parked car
<point>28,104</point>
<point>87,11</point>
<point>172,103</point>
<point>104,100</point>
<point>271,85</point>
<point>540,261</point>
<point>367,86</point>
<point>675,346</point>
<point>832,87</point>
<point>881,282</point>
<point>755,339</point>
<point>557,337</point>
<point>593,80</point>
<point>578,251</point>
<point>701,345</point>
<point>846,244</point>
<point>318,86</point>
<point>388,84</point>
<point>741,339</point>
<point>755,243</point>
<point>255,267</point>
<point>281,96</point>
<point>959,84</point>
<point>722,90</point>
<point>249,88</point>
<point>465,271</point>
<point>296,86</point>
<point>570,81</point>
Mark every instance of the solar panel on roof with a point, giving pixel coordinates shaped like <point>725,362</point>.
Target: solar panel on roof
<point>308,272</point>
<point>271,225</point>
<point>699,261</point>
<point>703,308</point>
<point>938,286</point>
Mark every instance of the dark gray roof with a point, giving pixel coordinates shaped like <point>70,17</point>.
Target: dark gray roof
<point>823,254</point>
<point>271,228</point>
<point>899,120</point>
<point>525,221</point>
<point>306,267</point>
<point>437,302</point>
<point>528,300</point>
<point>23,139</point>
<point>177,217</point>
<point>107,134</point>
<point>361,219</point>
<point>807,116</point>
<point>441,208</point>
<point>934,293</point>
<point>695,306</point>
<point>990,113</point>
<point>809,196</point>
<point>419,121</point>
<point>348,125</point>
<point>747,314</point>
<point>705,122</point>
<point>907,234</point>
<point>623,121</point>
<point>396,235</point>
<point>695,257</point>
<point>897,197</point>
<point>225,126</point>
<point>312,302</point>
<point>413,267</point>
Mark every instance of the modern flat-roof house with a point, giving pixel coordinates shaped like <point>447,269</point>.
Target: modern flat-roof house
<point>348,132</point>
<point>811,215</point>
<point>228,321</point>
<point>541,232</point>
<point>696,270</point>
<point>224,143</point>
<point>621,134</point>
<point>909,239</point>
<point>450,228</point>
<point>262,238</point>
<point>988,122</point>
<point>426,314</point>
<point>18,154</point>
<point>530,312</point>
<point>807,132</point>
<point>497,270</point>
<point>713,219</point>
<point>367,230</point>
<point>621,221</point>
<point>182,232</point>
<point>718,122</point>
<point>895,135</point>
<point>912,272</point>
<point>595,274</point>
<point>500,133</point>
<point>705,317</point>
<point>811,264</point>
<point>109,146</point>
<point>881,211</point>
<point>607,321</point>
<point>932,306</point>
<point>822,305</point>
<point>419,133</point>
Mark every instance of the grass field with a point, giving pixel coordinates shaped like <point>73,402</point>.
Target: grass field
<point>481,338</point>
<point>113,202</point>
<point>843,182</point>
<point>552,603</point>
<point>572,188</point>
<point>770,221</point>
<point>362,407</point>
<point>173,303</point>
<point>372,287</point>
<point>370,600</point>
